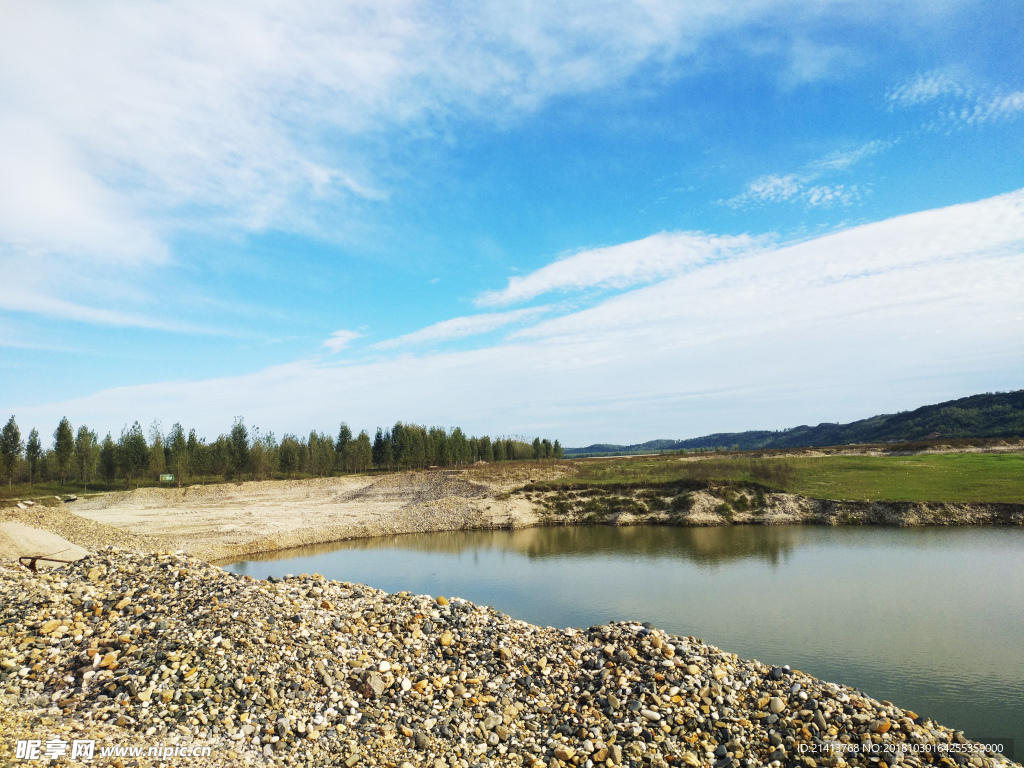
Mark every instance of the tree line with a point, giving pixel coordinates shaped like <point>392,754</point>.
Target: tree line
<point>245,453</point>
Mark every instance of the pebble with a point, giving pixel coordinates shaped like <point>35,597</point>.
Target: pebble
<point>307,671</point>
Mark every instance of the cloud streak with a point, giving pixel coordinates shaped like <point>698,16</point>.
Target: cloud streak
<point>620,266</point>
<point>125,126</point>
<point>917,305</point>
<point>801,187</point>
<point>461,327</point>
<point>339,340</point>
<point>959,103</point>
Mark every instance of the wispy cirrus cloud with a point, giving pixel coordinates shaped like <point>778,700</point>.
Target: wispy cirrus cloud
<point>339,340</point>
<point>462,327</point>
<point>959,102</point>
<point>925,88</point>
<point>620,266</point>
<point>805,185</point>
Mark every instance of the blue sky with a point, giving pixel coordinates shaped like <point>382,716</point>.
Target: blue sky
<point>595,221</point>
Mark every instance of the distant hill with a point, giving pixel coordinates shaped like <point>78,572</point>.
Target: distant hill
<point>989,415</point>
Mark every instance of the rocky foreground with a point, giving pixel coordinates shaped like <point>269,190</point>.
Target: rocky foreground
<point>165,649</point>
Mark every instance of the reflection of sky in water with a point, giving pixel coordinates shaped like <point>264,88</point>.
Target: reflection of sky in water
<point>931,619</point>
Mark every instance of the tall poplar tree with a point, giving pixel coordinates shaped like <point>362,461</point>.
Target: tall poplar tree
<point>33,450</point>
<point>85,457</point>
<point>63,447</point>
<point>288,455</point>
<point>343,447</point>
<point>132,453</point>
<point>157,458</point>
<point>108,459</point>
<point>10,449</point>
<point>179,452</point>
<point>238,448</point>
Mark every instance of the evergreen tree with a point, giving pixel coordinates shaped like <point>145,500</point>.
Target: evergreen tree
<point>193,449</point>
<point>132,453</point>
<point>108,459</point>
<point>362,453</point>
<point>486,449</point>
<point>63,447</point>
<point>178,445</point>
<point>157,457</point>
<point>85,457</point>
<point>439,449</point>
<point>323,454</point>
<point>383,450</point>
<point>10,449</point>
<point>459,447</point>
<point>238,448</point>
<point>219,457</point>
<point>557,451</point>
<point>33,450</point>
<point>200,458</point>
<point>343,447</point>
<point>288,455</point>
<point>263,454</point>
<point>47,465</point>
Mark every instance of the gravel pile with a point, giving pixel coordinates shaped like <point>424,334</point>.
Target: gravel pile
<point>168,649</point>
<point>76,529</point>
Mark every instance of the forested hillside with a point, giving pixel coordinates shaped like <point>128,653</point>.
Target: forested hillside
<point>990,415</point>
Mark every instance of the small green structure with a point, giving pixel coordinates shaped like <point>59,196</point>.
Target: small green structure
<point>166,478</point>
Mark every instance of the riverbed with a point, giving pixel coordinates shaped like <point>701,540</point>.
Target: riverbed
<point>928,618</point>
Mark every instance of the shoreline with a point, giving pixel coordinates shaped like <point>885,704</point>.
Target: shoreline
<point>237,639</point>
<point>224,523</point>
<point>168,649</point>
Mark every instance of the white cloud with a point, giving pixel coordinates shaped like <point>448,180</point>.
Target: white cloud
<point>620,266</point>
<point>959,103</point>
<point>461,327</point>
<point>841,160</point>
<point>884,316</point>
<point>800,187</point>
<point>124,125</point>
<point>995,107</point>
<point>927,87</point>
<point>794,188</point>
<point>905,261</point>
<point>340,340</point>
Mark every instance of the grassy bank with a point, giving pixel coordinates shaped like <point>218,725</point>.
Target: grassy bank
<point>957,477</point>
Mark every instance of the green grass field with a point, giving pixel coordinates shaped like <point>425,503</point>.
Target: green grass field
<point>955,477</point>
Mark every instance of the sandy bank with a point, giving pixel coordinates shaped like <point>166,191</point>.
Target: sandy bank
<point>229,521</point>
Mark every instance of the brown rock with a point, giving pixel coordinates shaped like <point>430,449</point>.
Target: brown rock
<point>49,626</point>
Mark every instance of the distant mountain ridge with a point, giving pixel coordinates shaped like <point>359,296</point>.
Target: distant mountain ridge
<point>989,415</point>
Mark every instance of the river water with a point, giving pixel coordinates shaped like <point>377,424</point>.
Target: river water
<point>931,619</point>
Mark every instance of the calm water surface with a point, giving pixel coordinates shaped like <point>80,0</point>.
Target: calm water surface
<point>931,619</point>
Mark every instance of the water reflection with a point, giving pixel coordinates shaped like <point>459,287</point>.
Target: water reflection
<point>930,618</point>
<point>708,546</point>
